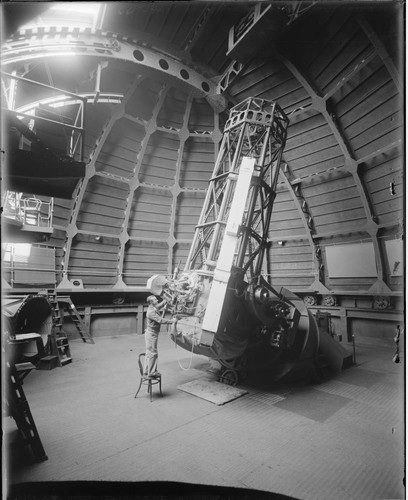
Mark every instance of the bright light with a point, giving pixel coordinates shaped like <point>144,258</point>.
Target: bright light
<point>17,252</point>
<point>79,14</point>
<point>84,7</point>
<point>22,251</point>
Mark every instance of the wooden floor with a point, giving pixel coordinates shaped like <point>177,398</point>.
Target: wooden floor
<point>342,439</point>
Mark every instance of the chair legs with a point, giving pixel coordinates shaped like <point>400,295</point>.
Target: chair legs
<point>149,387</point>
<point>140,385</point>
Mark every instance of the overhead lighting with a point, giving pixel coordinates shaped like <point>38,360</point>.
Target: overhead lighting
<point>88,7</point>
<point>80,14</point>
<point>87,12</point>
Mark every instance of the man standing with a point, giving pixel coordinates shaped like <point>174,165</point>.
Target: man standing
<point>154,320</point>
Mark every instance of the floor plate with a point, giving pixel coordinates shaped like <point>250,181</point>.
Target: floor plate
<point>212,391</point>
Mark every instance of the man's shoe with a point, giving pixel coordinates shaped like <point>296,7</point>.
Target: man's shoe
<point>156,374</point>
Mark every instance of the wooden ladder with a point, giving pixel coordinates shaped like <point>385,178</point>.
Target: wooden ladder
<point>69,307</point>
<point>59,345</point>
<point>17,407</point>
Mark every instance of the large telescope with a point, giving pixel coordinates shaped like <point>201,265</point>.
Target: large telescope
<point>226,307</point>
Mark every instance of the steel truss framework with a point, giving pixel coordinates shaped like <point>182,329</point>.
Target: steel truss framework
<point>256,129</point>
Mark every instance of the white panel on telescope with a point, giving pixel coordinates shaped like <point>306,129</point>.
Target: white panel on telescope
<point>222,270</point>
<point>240,196</point>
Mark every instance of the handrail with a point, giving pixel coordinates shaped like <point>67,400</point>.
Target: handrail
<point>28,210</point>
<point>76,128</point>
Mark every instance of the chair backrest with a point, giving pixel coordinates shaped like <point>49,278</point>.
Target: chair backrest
<point>141,363</point>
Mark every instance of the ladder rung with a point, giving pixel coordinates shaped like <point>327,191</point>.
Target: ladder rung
<point>24,366</point>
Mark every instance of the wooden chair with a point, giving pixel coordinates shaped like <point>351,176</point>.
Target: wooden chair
<point>149,380</point>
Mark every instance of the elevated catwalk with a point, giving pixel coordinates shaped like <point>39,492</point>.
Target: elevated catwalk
<point>340,440</point>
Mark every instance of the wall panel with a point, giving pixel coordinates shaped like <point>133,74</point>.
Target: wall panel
<point>150,213</point>
<point>187,214</point>
<point>197,162</point>
<point>94,262</point>
<point>159,162</point>
<point>103,206</point>
<point>119,152</point>
<point>143,259</point>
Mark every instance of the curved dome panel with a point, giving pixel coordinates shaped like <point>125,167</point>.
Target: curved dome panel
<point>157,81</point>
<point>93,216</point>
<point>383,179</point>
<point>197,162</point>
<point>139,259</point>
<point>150,214</point>
<point>94,260</point>
<point>159,162</point>
<point>119,152</point>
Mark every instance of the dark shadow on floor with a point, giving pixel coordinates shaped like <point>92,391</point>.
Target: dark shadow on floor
<point>88,490</point>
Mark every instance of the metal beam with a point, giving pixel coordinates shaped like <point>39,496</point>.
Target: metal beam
<point>200,24</point>
<point>229,75</point>
<point>380,151</point>
<point>39,84</point>
<point>358,67</point>
<point>382,52</point>
<point>72,229</point>
<point>84,42</point>
<point>64,100</point>
<point>320,104</point>
<point>307,221</point>
<point>151,127</point>
<point>288,14</point>
<point>176,190</point>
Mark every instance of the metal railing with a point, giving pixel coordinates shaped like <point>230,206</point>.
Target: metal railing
<point>76,128</point>
<point>28,210</point>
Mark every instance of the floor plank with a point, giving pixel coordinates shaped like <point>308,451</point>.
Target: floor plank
<point>342,439</point>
